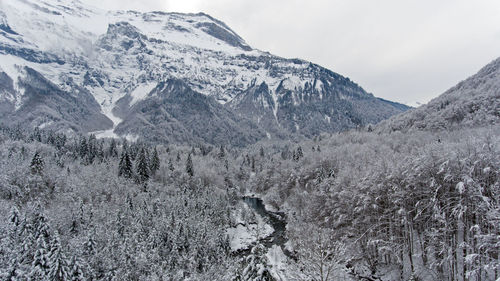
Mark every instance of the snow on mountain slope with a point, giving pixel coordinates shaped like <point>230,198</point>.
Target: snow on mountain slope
<point>123,55</point>
<point>472,102</point>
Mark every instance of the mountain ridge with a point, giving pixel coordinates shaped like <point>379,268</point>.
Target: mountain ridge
<point>475,101</point>
<point>122,55</point>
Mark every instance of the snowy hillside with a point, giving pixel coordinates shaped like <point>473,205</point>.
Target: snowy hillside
<point>471,103</point>
<point>118,55</point>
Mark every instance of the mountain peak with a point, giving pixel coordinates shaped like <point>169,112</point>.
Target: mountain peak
<point>122,58</point>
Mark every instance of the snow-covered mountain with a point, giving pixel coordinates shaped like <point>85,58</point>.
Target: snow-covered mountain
<point>69,66</point>
<point>471,103</point>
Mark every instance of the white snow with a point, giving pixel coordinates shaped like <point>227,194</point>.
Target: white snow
<point>246,233</point>
<point>107,103</point>
<point>106,134</point>
<point>277,262</point>
<point>319,87</point>
<point>414,104</point>
<point>240,237</point>
<point>182,50</point>
<point>141,92</point>
<point>45,124</point>
<point>132,138</point>
<point>460,187</point>
<point>13,67</point>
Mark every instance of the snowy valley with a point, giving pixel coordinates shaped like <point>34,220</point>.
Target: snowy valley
<point>161,146</point>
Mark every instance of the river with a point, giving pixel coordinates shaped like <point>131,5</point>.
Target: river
<point>276,219</point>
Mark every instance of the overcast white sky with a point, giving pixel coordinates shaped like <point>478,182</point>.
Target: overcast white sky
<point>401,50</point>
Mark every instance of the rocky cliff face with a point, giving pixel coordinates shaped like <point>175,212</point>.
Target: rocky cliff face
<point>118,67</point>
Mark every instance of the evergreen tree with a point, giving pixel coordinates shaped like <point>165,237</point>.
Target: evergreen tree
<point>95,150</point>
<point>124,145</point>
<point>154,162</point>
<point>297,154</point>
<point>100,151</point>
<point>205,150</point>
<point>133,151</point>
<point>40,264</point>
<point>142,167</point>
<point>14,217</point>
<point>256,268</point>
<point>112,150</point>
<point>51,139</point>
<point>89,246</point>
<point>125,166</point>
<point>261,152</point>
<point>60,141</point>
<point>40,226</point>
<point>189,166</point>
<point>83,148</point>
<point>58,264</point>
<point>222,152</point>
<point>37,164</point>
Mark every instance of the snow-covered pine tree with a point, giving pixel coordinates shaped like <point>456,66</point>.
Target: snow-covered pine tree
<point>41,228</point>
<point>142,167</point>
<point>92,150</point>
<point>40,265</point>
<point>222,152</point>
<point>256,266</point>
<point>37,164</point>
<point>14,217</point>
<point>100,151</point>
<point>83,148</point>
<point>112,150</point>
<point>298,154</point>
<point>125,165</point>
<point>154,162</point>
<point>58,263</point>
<point>125,146</point>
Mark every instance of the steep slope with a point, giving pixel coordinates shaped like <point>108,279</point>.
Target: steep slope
<point>472,102</point>
<point>43,104</point>
<point>175,113</point>
<point>322,102</point>
<point>120,57</point>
